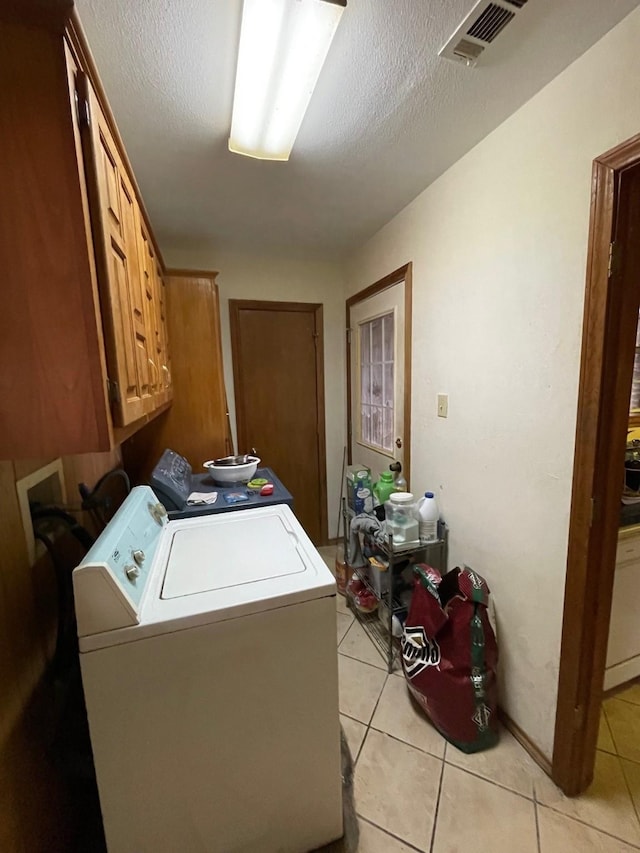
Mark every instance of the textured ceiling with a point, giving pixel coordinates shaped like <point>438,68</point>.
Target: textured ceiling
<point>387,117</point>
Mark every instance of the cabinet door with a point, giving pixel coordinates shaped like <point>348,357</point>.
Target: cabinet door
<point>137,298</point>
<point>113,217</point>
<point>149,295</point>
<point>163,336</point>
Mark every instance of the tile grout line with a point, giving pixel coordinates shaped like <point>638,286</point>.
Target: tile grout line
<point>582,822</point>
<point>355,757</point>
<point>368,725</point>
<point>403,841</point>
<point>535,812</point>
<point>351,657</point>
<point>375,707</point>
<point>435,814</point>
<point>630,792</point>
<point>408,743</point>
<point>628,701</point>
<point>589,825</point>
<point>354,622</point>
<point>619,755</point>
<point>490,781</point>
<point>603,711</point>
<point>612,736</point>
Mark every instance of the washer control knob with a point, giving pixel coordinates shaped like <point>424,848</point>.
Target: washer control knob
<point>131,572</point>
<point>158,513</point>
<point>138,557</point>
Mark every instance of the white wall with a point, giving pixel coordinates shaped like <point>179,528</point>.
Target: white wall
<point>243,276</point>
<point>498,245</point>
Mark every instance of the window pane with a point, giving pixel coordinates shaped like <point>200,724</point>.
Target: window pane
<point>388,337</point>
<point>376,426</point>
<point>365,388</point>
<point>388,385</point>
<point>366,424</point>
<point>387,440</point>
<point>635,386</point>
<point>376,340</point>
<point>365,348</point>
<point>376,384</point>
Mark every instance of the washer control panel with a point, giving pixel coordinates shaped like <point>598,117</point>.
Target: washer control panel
<point>110,582</point>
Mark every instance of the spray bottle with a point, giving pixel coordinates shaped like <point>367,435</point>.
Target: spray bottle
<point>399,483</point>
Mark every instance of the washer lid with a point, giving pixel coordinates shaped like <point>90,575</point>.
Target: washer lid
<point>233,550</point>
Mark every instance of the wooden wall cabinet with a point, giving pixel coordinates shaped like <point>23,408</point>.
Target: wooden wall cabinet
<point>129,275</point>
<point>197,424</point>
<point>83,340</point>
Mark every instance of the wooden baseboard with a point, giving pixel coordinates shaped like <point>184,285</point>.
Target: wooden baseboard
<point>525,741</point>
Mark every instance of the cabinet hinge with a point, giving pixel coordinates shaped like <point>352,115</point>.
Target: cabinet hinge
<point>113,392</point>
<point>578,717</point>
<point>614,258</point>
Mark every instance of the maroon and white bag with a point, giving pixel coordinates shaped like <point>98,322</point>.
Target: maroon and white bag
<point>450,656</point>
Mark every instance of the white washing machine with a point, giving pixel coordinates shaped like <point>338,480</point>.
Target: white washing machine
<point>209,665</point>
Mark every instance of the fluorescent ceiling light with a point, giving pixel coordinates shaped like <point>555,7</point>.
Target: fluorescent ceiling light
<point>283,46</point>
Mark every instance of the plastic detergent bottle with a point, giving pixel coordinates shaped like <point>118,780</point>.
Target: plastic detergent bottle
<point>384,487</point>
<point>428,518</point>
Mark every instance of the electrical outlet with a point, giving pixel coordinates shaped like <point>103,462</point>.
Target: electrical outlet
<point>443,405</point>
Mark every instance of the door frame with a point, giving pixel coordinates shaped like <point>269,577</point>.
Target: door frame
<point>602,423</point>
<point>315,308</point>
<point>403,273</point>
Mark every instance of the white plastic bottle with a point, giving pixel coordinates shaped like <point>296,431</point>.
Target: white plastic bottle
<point>429,515</point>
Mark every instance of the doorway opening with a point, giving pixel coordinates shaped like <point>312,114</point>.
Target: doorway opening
<point>611,309</point>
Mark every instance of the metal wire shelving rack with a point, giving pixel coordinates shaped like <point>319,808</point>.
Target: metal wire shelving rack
<point>378,625</point>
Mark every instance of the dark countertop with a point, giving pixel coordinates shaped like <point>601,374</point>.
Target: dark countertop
<point>204,483</point>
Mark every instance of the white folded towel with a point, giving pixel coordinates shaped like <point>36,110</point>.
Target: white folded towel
<point>202,498</point>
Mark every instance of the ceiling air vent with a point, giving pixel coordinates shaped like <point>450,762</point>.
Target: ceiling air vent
<point>482,25</point>
<point>491,22</point>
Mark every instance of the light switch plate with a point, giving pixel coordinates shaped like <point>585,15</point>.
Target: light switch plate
<point>443,405</point>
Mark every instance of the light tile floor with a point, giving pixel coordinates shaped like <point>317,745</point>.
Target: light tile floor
<point>414,792</point>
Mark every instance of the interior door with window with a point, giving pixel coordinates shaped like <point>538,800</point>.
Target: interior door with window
<point>379,371</point>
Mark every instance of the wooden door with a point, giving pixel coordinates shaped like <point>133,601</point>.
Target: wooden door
<point>607,365</point>
<point>379,373</point>
<point>278,372</point>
